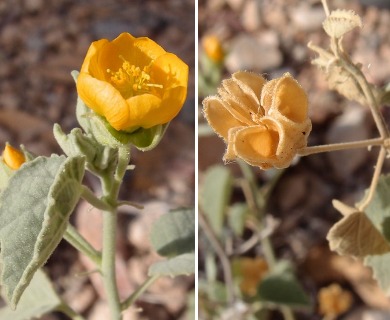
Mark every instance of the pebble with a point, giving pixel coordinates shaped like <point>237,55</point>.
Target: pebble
<point>307,18</point>
<point>250,16</point>
<point>254,52</point>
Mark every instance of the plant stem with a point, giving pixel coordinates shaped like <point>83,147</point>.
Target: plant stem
<point>367,90</point>
<point>110,186</point>
<point>340,146</point>
<point>136,294</point>
<point>258,206</point>
<point>374,181</point>
<point>108,263</point>
<point>74,238</point>
<point>65,309</point>
<point>326,8</point>
<point>89,196</point>
<point>219,250</point>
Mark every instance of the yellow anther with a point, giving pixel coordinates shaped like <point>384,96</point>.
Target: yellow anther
<point>131,80</point>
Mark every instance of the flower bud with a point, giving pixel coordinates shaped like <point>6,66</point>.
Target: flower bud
<point>213,48</point>
<point>12,157</point>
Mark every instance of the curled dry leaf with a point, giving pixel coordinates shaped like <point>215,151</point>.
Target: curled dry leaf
<point>339,22</point>
<point>355,235</point>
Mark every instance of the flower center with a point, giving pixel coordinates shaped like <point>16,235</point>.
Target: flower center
<point>131,80</point>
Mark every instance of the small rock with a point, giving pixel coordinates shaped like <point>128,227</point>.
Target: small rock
<point>250,17</point>
<point>138,232</point>
<point>350,126</point>
<point>307,18</point>
<point>257,53</point>
<point>33,6</point>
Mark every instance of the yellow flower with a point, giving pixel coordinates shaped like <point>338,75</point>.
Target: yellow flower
<point>263,123</point>
<point>333,300</point>
<point>213,48</point>
<point>252,272</point>
<point>132,82</point>
<point>12,157</point>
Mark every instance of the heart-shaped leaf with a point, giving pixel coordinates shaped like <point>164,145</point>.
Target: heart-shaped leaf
<point>34,212</point>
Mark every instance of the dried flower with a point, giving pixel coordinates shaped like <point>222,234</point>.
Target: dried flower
<point>12,157</point>
<point>252,271</point>
<point>213,48</point>
<point>263,123</point>
<point>333,300</point>
<point>132,82</point>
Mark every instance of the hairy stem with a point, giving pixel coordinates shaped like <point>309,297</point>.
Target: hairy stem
<point>74,238</point>
<point>110,186</point>
<point>252,193</point>
<point>341,146</point>
<point>67,310</point>
<point>219,250</point>
<point>90,197</point>
<point>374,181</point>
<point>136,294</point>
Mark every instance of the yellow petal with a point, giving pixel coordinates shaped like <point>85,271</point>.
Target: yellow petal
<point>169,107</point>
<point>251,83</point>
<point>90,64</point>
<point>290,99</point>
<point>256,144</point>
<point>104,99</point>
<point>267,94</point>
<point>142,110</point>
<point>218,116</point>
<point>237,103</point>
<point>169,71</point>
<point>244,95</point>
<point>12,157</point>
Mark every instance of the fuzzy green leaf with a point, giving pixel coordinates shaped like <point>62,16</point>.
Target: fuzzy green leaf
<point>174,233</point>
<point>378,212</point>
<point>183,264</point>
<point>237,215</point>
<point>215,196</point>
<point>34,212</point>
<point>281,287</point>
<point>38,298</point>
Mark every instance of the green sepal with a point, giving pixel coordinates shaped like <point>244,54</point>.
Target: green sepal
<point>94,124</point>
<point>34,211</point>
<point>98,157</point>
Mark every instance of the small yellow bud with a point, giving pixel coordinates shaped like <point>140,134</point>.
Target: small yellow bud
<point>12,157</point>
<point>213,48</point>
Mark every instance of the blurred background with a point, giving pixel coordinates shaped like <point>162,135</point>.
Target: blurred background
<point>270,38</point>
<point>41,43</point>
